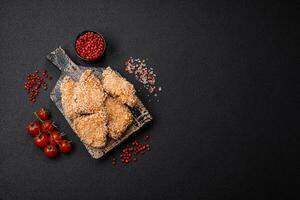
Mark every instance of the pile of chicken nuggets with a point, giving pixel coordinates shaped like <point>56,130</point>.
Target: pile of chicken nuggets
<point>98,108</point>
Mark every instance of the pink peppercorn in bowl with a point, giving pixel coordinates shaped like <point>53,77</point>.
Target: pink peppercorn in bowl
<point>89,45</point>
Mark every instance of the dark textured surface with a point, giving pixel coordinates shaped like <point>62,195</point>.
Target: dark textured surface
<point>228,116</point>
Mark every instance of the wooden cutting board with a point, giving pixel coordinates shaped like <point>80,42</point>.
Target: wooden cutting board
<point>61,60</point>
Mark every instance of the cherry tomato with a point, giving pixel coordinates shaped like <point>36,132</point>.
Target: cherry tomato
<point>65,146</point>
<point>42,113</point>
<point>41,140</point>
<point>33,128</point>
<point>50,151</point>
<point>55,137</point>
<point>52,141</point>
<point>47,126</point>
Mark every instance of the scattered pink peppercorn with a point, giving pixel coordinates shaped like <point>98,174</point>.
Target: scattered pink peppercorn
<point>34,82</point>
<point>129,153</point>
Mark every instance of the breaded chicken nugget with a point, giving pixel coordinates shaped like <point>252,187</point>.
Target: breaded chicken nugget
<point>89,95</point>
<point>67,91</point>
<point>92,129</point>
<point>119,87</point>
<point>119,117</point>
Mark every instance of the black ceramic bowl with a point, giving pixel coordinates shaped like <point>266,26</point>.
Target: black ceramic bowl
<point>99,56</point>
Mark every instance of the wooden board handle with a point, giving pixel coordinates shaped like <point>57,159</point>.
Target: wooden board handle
<point>60,59</point>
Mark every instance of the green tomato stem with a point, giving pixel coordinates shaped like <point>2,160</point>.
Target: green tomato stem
<point>38,117</point>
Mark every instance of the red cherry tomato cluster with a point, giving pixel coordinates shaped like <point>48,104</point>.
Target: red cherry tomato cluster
<point>33,83</point>
<point>89,45</point>
<point>46,136</point>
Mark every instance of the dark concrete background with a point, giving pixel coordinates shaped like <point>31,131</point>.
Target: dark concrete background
<point>227,119</point>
